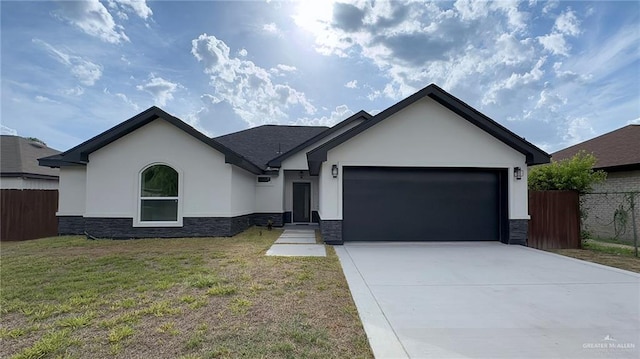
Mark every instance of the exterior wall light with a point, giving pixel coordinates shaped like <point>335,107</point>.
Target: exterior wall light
<point>334,171</point>
<point>517,173</point>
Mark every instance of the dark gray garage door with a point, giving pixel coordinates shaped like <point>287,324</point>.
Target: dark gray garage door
<point>423,204</point>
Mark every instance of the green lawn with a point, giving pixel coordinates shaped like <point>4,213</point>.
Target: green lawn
<point>610,254</point>
<point>168,298</point>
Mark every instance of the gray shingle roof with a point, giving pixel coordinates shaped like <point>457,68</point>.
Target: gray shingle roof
<point>616,149</point>
<point>264,143</point>
<point>19,157</point>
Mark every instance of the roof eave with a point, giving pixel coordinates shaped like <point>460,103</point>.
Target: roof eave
<point>243,163</point>
<point>277,162</point>
<point>79,155</point>
<point>533,154</point>
<point>620,168</point>
<point>30,175</point>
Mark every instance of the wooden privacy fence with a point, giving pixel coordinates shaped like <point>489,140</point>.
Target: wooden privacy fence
<point>555,220</point>
<point>28,214</point>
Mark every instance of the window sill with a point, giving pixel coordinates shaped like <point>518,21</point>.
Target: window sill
<point>158,224</point>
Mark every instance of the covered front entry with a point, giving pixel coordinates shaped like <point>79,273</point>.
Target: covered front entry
<point>301,202</point>
<point>424,204</point>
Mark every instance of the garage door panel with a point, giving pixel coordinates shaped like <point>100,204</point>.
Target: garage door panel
<point>420,204</point>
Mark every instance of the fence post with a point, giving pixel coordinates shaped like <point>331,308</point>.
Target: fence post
<point>633,221</point>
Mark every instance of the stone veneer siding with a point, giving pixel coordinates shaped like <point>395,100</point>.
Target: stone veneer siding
<point>261,219</point>
<point>331,231</point>
<point>70,225</point>
<point>122,228</point>
<point>518,230</point>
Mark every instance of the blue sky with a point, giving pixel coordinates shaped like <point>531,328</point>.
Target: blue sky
<point>554,72</point>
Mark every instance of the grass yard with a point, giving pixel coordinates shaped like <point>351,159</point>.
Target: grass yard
<point>613,255</point>
<point>171,298</point>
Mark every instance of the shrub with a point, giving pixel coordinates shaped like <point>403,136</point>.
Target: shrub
<point>575,173</point>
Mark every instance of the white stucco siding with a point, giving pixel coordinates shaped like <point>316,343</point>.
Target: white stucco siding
<point>27,183</point>
<point>72,191</point>
<point>425,134</point>
<point>243,192</point>
<point>113,173</point>
<point>299,160</point>
<point>269,195</point>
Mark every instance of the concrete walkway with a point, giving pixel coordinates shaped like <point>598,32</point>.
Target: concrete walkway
<point>490,300</point>
<point>297,243</point>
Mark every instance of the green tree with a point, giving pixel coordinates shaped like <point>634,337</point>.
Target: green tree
<point>35,139</point>
<point>575,173</point>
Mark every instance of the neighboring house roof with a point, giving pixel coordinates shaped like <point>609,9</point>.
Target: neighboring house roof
<point>618,150</point>
<point>19,158</point>
<point>533,154</point>
<point>79,155</point>
<point>263,143</point>
<point>277,162</point>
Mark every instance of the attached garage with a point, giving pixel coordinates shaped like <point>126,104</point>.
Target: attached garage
<point>429,168</point>
<point>424,204</point>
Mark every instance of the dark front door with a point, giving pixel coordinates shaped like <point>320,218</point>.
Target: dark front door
<point>301,202</point>
<point>422,204</point>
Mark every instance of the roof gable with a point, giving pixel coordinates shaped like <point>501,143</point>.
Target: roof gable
<point>263,143</point>
<point>533,154</point>
<point>79,155</point>
<point>616,150</point>
<point>277,162</point>
<point>20,158</point>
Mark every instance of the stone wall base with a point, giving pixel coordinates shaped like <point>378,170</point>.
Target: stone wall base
<point>122,228</point>
<point>70,225</point>
<point>518,230</point>
<point>331,231</point>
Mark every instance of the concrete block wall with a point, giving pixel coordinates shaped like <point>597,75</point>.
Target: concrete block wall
<point>608,208</point>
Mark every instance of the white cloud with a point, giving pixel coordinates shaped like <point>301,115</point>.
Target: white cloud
<point>282,70</point>
<point>567,23</point>
<point>161,89</point>
<point>515,81</point>
<point>40,98</point>
<point>578,130</point>
<point>75,91</point>
<point>93,18</point>
<point>634,122</point>
<point>4,130</point>
<point>85,71</point>
<point>374,95</point>
<point>341,113</point>
<point>417,43</point>
<point>550,6</point>
<point>550,101</point>
<point>271,28</point>
<point>126,100</point>
<point>570,75</point>
<point>555,43</point>
<point>286,68</point>
<point>248,88</point>
<point>139,7</point>
<point>243,52</point>
<point>122,97</point>
<point>353,84</point>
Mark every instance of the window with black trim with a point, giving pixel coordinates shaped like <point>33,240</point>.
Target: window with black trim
<point>159,194</point>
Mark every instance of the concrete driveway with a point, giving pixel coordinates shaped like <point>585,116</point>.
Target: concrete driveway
<point>490,300</point>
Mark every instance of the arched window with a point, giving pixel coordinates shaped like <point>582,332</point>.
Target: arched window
<point>159,194</point>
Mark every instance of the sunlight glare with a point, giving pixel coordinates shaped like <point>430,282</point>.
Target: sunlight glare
<point>313,15</point>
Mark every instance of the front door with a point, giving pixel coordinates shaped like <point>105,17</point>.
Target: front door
<point>301,202</point>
